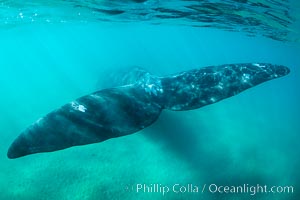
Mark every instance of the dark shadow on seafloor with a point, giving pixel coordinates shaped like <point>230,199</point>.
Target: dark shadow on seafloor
<point>215,163</point>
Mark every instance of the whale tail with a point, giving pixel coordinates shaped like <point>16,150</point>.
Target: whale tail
<point>200,87</point>
<point>124,110</point>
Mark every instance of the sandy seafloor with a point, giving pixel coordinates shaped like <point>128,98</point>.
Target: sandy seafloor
<point>252,138</point>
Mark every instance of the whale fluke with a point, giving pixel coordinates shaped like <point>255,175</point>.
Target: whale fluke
<point>124,110</point>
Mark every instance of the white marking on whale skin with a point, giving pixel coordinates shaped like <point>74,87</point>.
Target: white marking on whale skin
<point>203,102</point>
<point>81,108</point>
<point>151,85</point>
<point>258,65</point>
<point>39,121</point>
<point>245,78</point>
<point>220,86</point>
<point>213,99</point>
<point>177,107</point>
<point>78,106</point>
<point>149,88</point>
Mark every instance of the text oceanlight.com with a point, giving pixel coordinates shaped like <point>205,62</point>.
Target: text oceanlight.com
<point>211,188</point>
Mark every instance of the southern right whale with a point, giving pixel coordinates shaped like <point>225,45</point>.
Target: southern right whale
<point>124,110</point>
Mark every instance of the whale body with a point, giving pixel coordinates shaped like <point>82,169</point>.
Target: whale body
<point>124,110</point>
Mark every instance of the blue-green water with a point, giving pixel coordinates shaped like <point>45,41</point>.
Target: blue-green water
<point>252,138</point>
